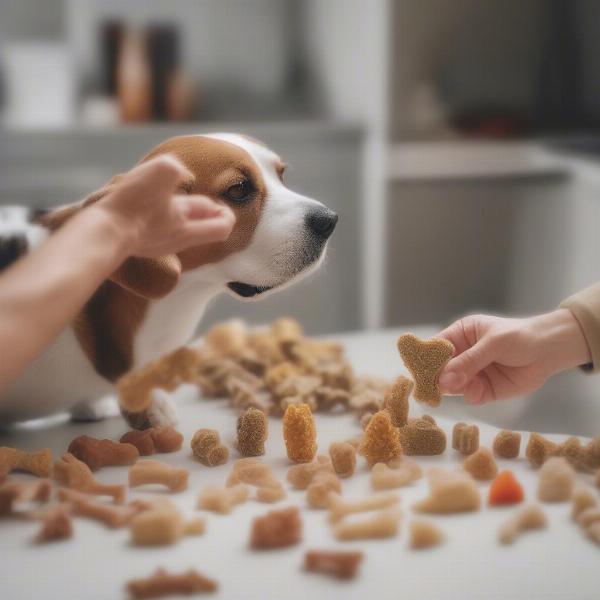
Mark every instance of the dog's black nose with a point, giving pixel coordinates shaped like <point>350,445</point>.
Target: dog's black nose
<point>321,221</point>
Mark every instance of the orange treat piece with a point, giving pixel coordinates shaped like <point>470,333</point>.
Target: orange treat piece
<point>422,437</point>
<point>276,529</point>
<point>505,489</point>
<point>425,360</point>
<point>300,433</point>
<point>381,441</point>
<point>395,400</point>
<point>252,432</point>
<point>507,444</point>
<point>154,439</point>
<point>165,584</point>
<point>37,463</point>
<point>342,565</point>
<point>97,453</point>
<point>207,448</point>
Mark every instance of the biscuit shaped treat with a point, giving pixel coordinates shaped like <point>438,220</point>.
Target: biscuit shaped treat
<point>146,472</point>
<point>382,524</point>
<point>222,500</point>
<point>300,433</point>
<point>21,491</point>
<point>166,584</point>
<point>505,489</point>
<point>252,432</point>
<point>154,439</point>
<point>450,492</point>
<point>539,449</point>
<point>343,458</point>
<point>335,563</point>
<point>322,484</point>
<point>481,464</point>
<point>556,480</point>
<point>37,463</point>
<point>526,519</point>
<point>422,437</point>
<point>424,534</point>
<point>276,529</point>
<point>395,474</point>
<point>425,360</point>
<point>97,453</point>
<point>582,499</point>
<point>381,440</point>
<point>465,438</point>
<point>207,448</point>
<point>56,524</point>
<point>396,400</point>
<point>301,475</point>
<point>507,444</point>
<point>340,508</point>
<point>253,472</point>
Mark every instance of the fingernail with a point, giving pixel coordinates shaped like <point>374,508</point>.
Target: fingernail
<point>452,381</point>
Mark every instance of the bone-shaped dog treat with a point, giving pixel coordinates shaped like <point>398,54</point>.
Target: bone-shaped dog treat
<point>152,471</point>
<point>300,433</point>
<point>382,524</point>
<point>322,484</point>
<point>481,464</point>
<point>396,400</point>
<point>223,499</point>
<point>97,453</point>
<point>154,439</point>
<point>340,508</point>
<point>74,473</point>
<point>343,458</point>
<point>251,471</point>
<point>37,463</point>
<point>582,499</point>
<point>301,475</point>
<point>422,437</point>
<point>252,432</point>
<point>528,518</point>
<point>394,475</point>
<point>336,563</point>
<point>276,529</point>
<point>465,438</point>
<point>162,584</point>
<point>425,360</point>
<point>556,480</point>
<point>424,534</point>
<point>21,491</point>
<point>56,524</point>
<point>450,492</point>
<point>507,444</point>
<point>381,440</point>
<point>207,448</point>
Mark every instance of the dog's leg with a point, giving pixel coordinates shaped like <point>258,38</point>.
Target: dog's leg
<point>161,412</point>
<point>95,410</point>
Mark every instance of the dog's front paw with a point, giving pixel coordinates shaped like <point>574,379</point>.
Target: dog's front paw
<point>162,411</point>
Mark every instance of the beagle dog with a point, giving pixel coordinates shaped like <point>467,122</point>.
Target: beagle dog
<point>150,307</point>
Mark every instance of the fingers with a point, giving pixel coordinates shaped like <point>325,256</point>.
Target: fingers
<point>159,175</point>
<point>461,369</point>
<point>206,220</point>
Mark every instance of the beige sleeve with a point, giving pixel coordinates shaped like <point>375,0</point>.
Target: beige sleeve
<point>585,306</point>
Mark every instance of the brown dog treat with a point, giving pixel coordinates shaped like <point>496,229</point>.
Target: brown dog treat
<point>539,449</point>
<point>528,518</point>
<point>23,491</point>
<point>465,438</point>
<point>581,499</point>
<point>286,330</point>
<point>276,529</point>
<point>573,451</point>
<point>382,524</point>
<point>340,507</point>
<point>141,439</point>
<point>381,440</point>
<point>336,563</point>
<point>343,458</point>
<point>300,476</point>
<point>300,433</point>
<point>450,492</point>
<point>97,453</point>
<point>229,338</point>
<point>425,360</point>
<point>165,584</point>
<point>56,524</point>
<point>321,485</point>
<point>481,464</point>
<point>422,437</point>
<point>330,398</point>
<point>556,480</point>
<point>507,444</point>
<point>73,473</point>
<point>270,492</point>
<point>277,375</point>
<point>207,448</point>
<point>387,477</point>
<point>249,470</point>
<point>152,471</point>
<point>424,534</point>
<point>396,401</point>
<point>154,439</point>
<point>37,463</point>
<point>222,499</point>
<point>252,432</point>
<point>591,454</point>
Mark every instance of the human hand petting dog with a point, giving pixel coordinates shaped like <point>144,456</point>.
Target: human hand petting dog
<point>498,358</point>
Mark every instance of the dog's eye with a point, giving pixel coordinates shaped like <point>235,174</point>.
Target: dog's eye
<point>240,192</point>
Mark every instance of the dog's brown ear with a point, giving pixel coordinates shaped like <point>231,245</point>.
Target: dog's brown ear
<point>151,278</point>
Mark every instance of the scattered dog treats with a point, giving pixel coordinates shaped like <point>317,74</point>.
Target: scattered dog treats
<point>222,499</point>
<point>336,563</point>
<point>97,453</point>
<point>556,480</point>
<point>422,437</point>
<point>152,471</point>
<point>390,476</point>
<point>229,338</point>
<point>339,508</point>
<point>425,360</point>
<point>396,400</point>
<point>481,464</point>
<point>276,529</point>
<point>253,472</point>
<point>287,330</point>
<point>465,438</point>
<point>165,584</point>
<point>528,518</point>
<point>539,449</point>
<point>75,474</point>
<point>207,448</point>
<point>37,463</point>
<point>56,524</point>
<point>320,487</point>
<point>300,434</point>
<point>343,458</point>
<point>330,398</point>
<point>582,499</point>
<point>424,534</point>
<point>154,439</point>
<point>252,432</point>
<point>450,492</point>
<point>381,441</point>
<point>505,489</point>
<point>507,444</point>
<point>23,491</point>
<point>382,524</point>
<point>301,475</point>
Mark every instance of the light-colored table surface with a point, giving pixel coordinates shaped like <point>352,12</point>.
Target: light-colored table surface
<point>95,564</point>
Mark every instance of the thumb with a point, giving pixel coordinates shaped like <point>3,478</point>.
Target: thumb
<point>461,369</point>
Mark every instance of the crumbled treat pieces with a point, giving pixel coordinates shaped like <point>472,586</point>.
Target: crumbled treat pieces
<point>329,398</point>
<point>222,500</point>
<point>97,453</point>
<point>300,433</point>
<point>465,438</point>
<point>396,400</point>
<point>381,440</point>
<point>322,484</point>
<point>505,489</point>
<point>37,463</point>
<point>481,464</point>
<point>425,360</point>
<point>23,491</point>
<point>507,444</point>
<point>343,458</point>
<point>252,432</point>
<point>422,437</point>
<point>526,519</point>
<point>340,508</point>
<point>450,492</point>
<point>424,534</point>
<point>556,480</point>
<point>336,563</point>
<point>253,472</point>
<point>56,524</point>
<point>276,529</point>
<point>539,449</point>
<point>395,474</point>
<point>229,338</point>
<point>73,473</point>
<point>152,471</point>
<point>581,499</point>
<point>287,330</point>
<point>165,584</point>
<point>382,524</point>
<point>207,448</point>
<point>154,439</point>
<point>300,476</point>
